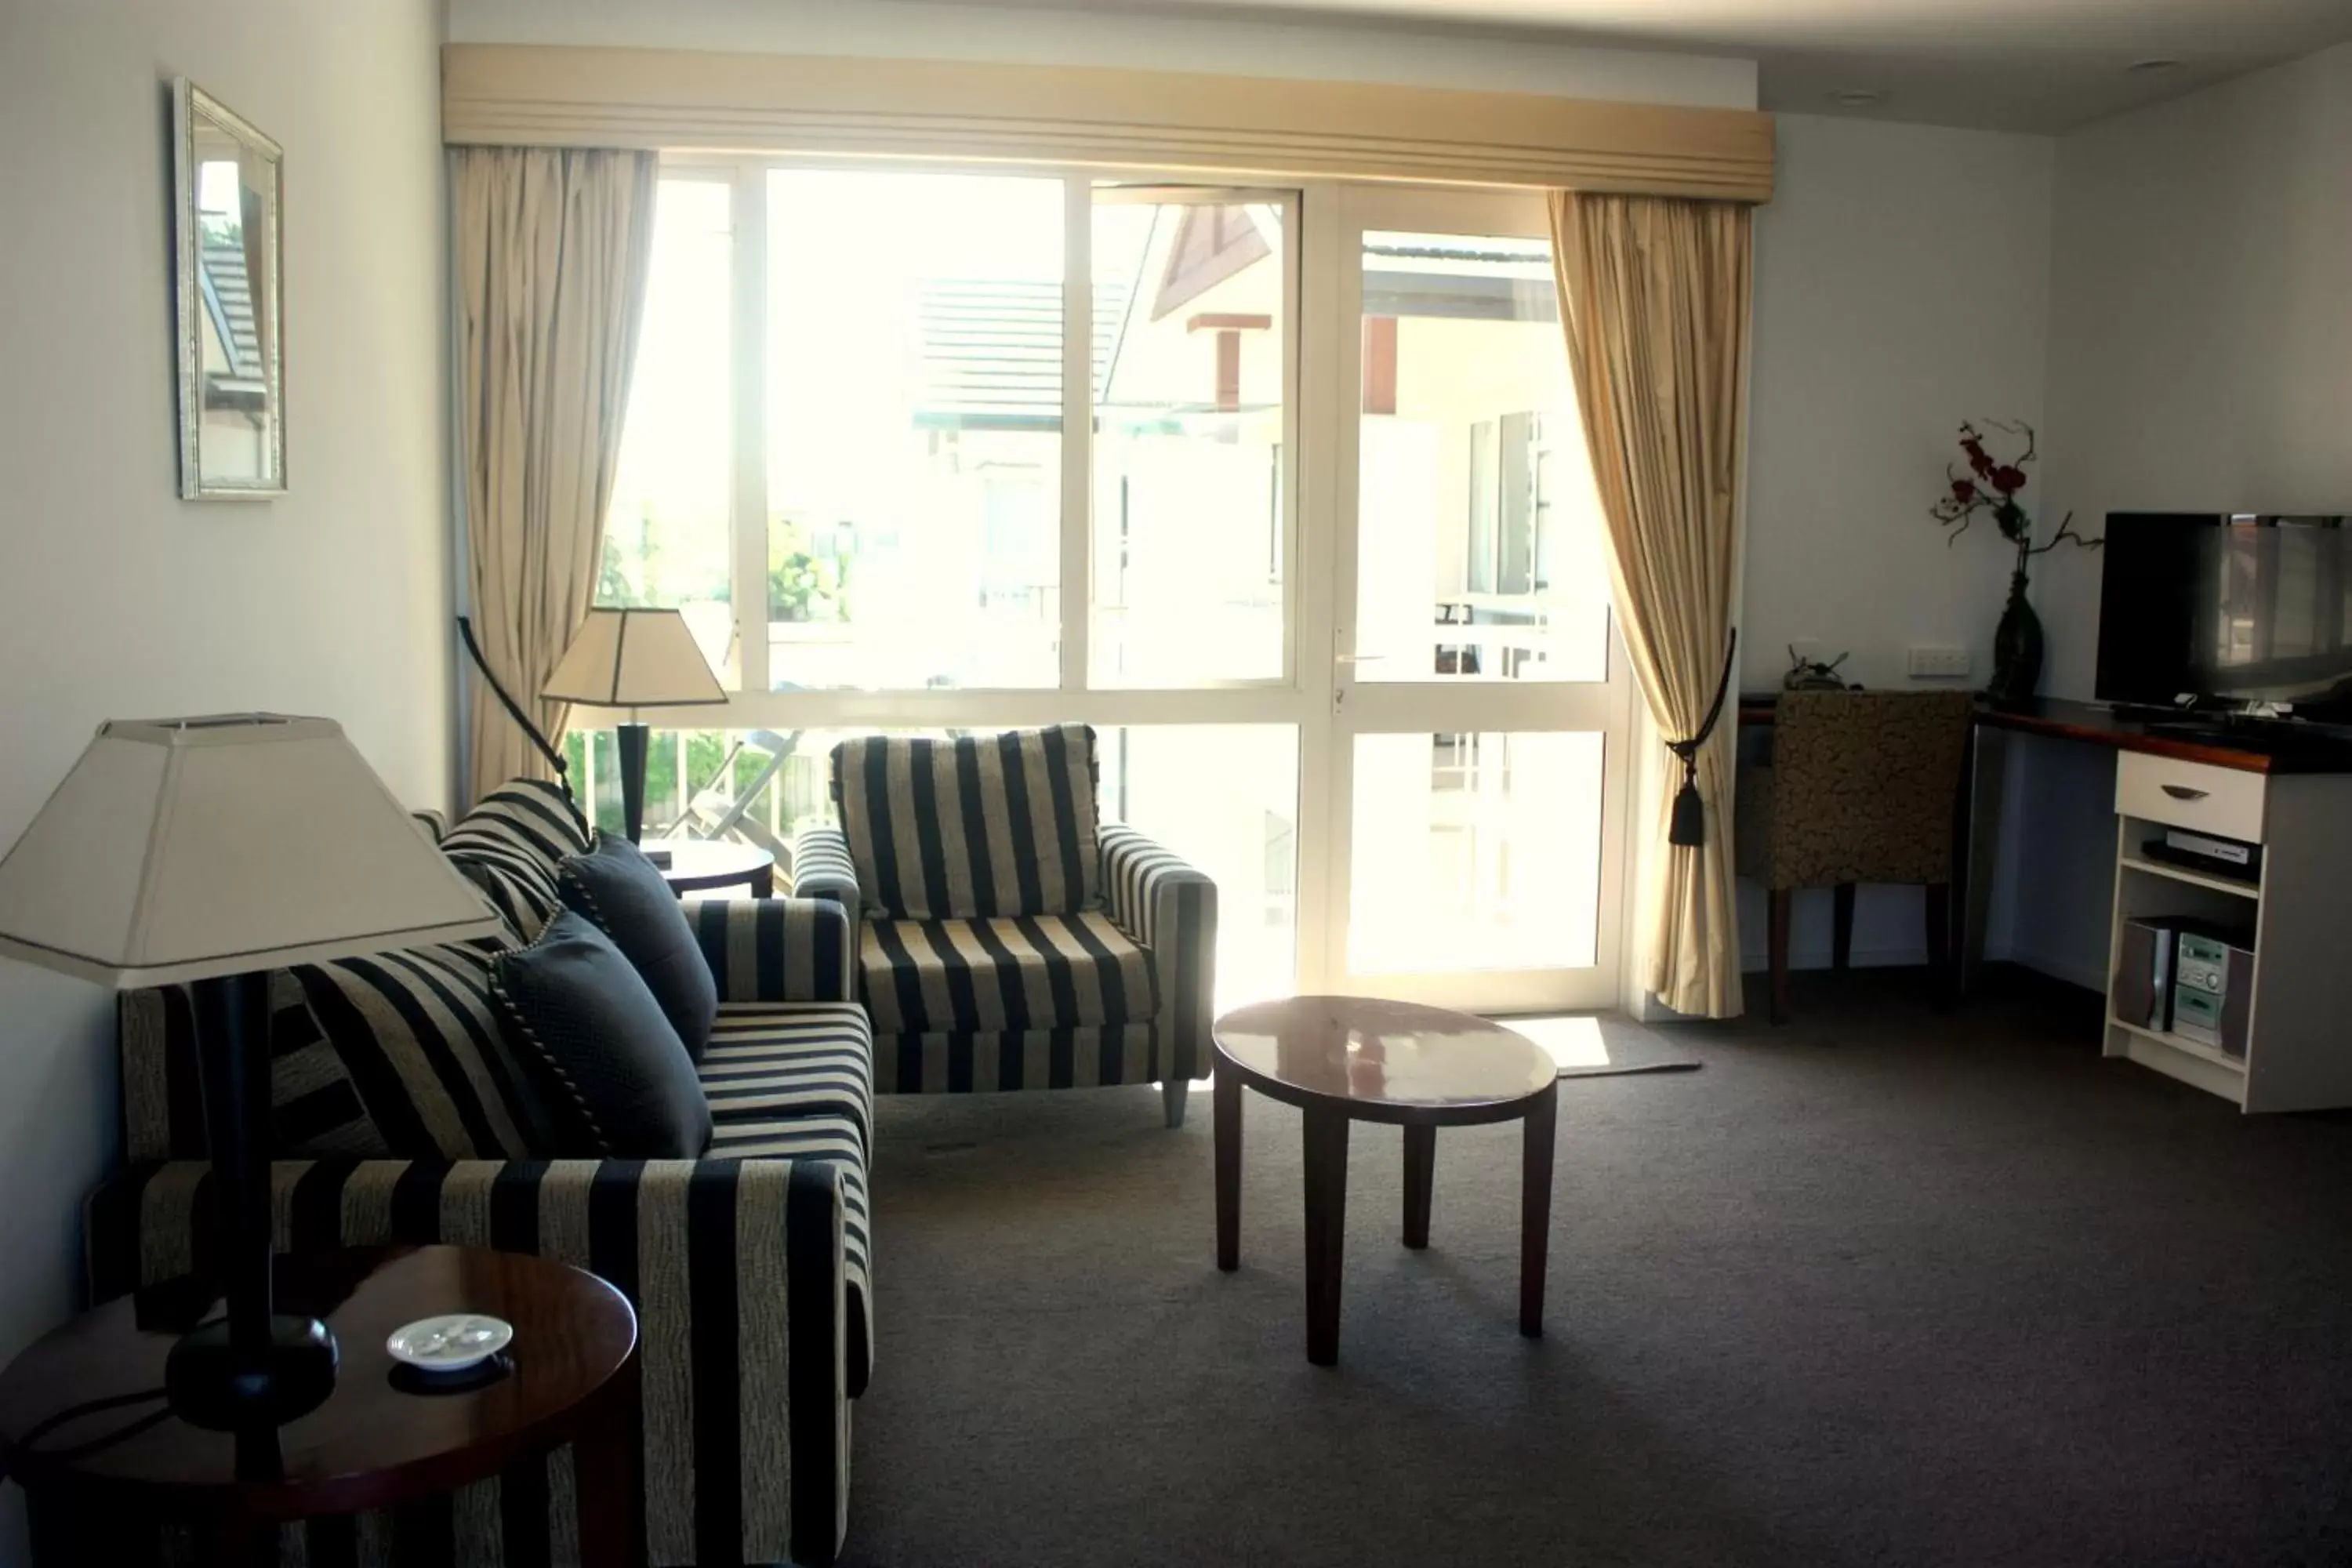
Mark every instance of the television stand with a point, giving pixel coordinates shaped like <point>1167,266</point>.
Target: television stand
<point>2228,725</point>
<point>2285,784</point>
<point>2285,1049</point>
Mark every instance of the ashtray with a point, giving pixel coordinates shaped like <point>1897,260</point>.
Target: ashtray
<point>454,1343</point>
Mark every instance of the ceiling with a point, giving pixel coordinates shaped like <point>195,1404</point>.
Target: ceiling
<point>2013,65</point>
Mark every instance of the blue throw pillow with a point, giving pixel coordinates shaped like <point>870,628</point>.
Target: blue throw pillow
<point>618,888</point>
<point>618,1083</point>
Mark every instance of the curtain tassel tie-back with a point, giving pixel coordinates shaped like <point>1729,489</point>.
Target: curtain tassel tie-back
<point>1688,828</point>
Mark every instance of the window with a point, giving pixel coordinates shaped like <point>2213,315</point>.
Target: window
<point>1475,851</point>
<point>688,773</point>
<point>910,498</point>
<point>667,535</point>
<point>1190,399</point>
<point>1482,555</point>
<point>931,450</point>
<point>1225,797</point>
<point>914,390</point>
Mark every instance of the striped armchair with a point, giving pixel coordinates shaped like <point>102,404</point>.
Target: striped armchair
<point>750,1267</point>
<point>1006,938</point>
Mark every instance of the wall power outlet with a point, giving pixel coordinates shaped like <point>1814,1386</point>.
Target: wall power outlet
<point>1939,663</point>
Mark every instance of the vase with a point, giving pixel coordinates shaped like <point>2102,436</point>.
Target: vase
<point>2016,646</point>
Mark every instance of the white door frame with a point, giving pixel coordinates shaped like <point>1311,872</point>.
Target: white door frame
<point>1352,707</point>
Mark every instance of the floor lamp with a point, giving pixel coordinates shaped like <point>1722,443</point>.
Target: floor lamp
<point>210,851</point>
<point>634,658</point>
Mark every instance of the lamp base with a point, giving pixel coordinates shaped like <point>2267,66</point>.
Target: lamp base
<point>632,738</point>
<point>211,1386</point>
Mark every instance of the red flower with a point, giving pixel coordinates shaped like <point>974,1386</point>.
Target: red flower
<point>2009,479</point>
<point>1977,459</point>
<point>1964,491</point>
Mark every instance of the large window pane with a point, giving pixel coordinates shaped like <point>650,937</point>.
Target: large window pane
<point>914,430</point>
<point>1480,552</point>
<point>694,781</point>
<point>665,537</point>
<point>756,786</point>
<point>1225,797</point>
<point>1475,851</point>
<point>1190,391</point>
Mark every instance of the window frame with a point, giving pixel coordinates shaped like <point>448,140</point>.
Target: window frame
<point>1276,699</point>
<point>1318,695</point>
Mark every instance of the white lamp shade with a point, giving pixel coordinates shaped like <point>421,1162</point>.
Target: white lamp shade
<point>186,848</point>
<point>634,658</point>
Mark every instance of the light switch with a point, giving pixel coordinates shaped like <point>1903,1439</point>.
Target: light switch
<point>1939,664</point>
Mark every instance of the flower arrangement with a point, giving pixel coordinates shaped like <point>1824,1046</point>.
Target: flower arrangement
<point>1992,485</point>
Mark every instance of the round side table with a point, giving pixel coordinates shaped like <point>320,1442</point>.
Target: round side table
<point>1356,1058</point>
<point>84,1424</point>
<point>703,864</point>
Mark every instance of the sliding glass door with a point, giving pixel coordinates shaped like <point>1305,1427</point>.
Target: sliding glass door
<point>1282,490</point>
<point>1479,703</point>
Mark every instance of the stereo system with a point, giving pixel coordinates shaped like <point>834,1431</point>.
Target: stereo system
<point>2188,977</point>
<point>2207,852</point>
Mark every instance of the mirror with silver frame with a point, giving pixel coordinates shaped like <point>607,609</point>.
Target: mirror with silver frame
<point>227,191</point>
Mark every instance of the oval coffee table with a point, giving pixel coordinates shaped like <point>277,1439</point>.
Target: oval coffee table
<point>1356,1058</point>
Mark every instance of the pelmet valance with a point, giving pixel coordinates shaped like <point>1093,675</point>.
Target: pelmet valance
<point>677,100</point>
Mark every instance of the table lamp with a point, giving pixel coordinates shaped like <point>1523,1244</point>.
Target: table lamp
<point>210,851</point>
<point>633,660</point>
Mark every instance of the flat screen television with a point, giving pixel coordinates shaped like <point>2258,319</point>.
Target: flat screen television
<point>2229,610</point>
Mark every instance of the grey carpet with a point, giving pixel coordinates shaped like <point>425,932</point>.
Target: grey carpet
<point>1878,1287</point>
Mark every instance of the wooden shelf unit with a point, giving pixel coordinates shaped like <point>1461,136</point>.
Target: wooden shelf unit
<point>2299,1031</point>
<point>2141,863</point>
<point>2213,1054</point>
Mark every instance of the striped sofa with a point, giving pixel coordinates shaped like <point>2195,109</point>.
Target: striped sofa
<point>1006,939</point>
<point>750,1267</point>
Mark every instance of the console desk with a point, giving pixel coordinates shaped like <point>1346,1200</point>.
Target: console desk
<point>2291,794</point>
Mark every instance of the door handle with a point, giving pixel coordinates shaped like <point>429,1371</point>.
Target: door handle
<point>2183,791</point>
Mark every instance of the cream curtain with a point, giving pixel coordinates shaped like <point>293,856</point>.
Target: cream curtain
<point>552,248</point>
<point>1654,294</point>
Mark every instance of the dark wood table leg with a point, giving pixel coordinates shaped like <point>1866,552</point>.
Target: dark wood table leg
<point>1420,1168</point>
<point>604,1468</point>
<point>1940,963</point>
<point>1779,913</point>
<point>1226,1109</point>
<point>1976,849</point>
<point>240,1540</point>
<point>1326,1142</point>
<point>1534,1209</point>
<point>764,882</point>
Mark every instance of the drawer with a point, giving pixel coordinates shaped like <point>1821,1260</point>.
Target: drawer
<point>2227,801</point>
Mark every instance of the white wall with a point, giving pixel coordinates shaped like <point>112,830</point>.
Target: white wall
<point>2197,320</point>
<point>911,29</point>
<point>2201,359</point>
<point>1902,286</point>
<point>120,600</point>
<point>2202,355</point>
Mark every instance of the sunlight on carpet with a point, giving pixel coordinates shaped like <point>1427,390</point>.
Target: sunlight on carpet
<point>1587,1045</point>
<point>1572,1042</point>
